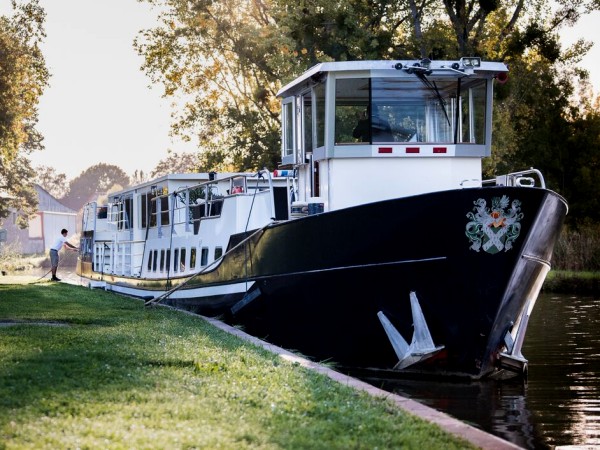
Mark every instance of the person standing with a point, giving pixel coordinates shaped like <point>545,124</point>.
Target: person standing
<point>58,244</point>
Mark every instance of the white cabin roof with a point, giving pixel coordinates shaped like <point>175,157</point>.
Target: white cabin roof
<point>453,67</point>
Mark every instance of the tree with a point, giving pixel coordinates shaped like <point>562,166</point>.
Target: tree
<point>95,180</point>
<point>53,182</point>
<point>176,163</point>
<point>582,170</point>
<point>139,176</point>
<point>23,77</point>
<point>214,55</point>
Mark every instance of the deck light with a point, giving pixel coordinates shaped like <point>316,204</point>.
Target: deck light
<point>471,62</point>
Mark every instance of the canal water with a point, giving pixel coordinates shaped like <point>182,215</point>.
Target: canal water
<point>558,406</point>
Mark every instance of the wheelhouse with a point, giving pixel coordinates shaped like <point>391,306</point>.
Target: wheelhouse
<point>343,111</point>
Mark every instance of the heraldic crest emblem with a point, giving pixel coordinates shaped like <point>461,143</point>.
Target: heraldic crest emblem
<point>494,228</point>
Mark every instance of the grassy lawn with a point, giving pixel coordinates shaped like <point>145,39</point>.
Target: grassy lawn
<point>90,369</point>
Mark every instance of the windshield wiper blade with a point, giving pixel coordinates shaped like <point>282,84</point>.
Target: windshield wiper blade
<point>431,85</point>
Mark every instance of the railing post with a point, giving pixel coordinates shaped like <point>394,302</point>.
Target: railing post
<point>158,215</point>
<point>187,210</point>
<point>265,170</point>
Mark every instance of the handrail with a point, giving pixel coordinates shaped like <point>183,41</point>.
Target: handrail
<point>518,179</point>
<point>270,179</point>
<point>209,198</point>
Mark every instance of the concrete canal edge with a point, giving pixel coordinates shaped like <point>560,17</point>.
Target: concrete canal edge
<point>453,426</point>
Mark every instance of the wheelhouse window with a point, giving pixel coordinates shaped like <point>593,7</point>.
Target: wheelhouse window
<point>410,109</point>
<point>473,112</point>
<point>352,110</point>
<point>307,126</point>
<point>303,125</point>
<point>287,122</point>
<point>319,91</point>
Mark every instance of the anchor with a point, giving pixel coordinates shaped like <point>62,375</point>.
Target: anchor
<point>512,359</point>
<point>421,347</point>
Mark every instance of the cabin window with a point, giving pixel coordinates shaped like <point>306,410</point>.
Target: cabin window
<point>113,212</point>
<point>193,258</point>
<point>125,219</point>
<point>287,122</point>
<point>204,257</point>
<point>143,210</point>
<point>148,209</point>
<point>154,260</point>
<point>176,260</point>
<point>218,252</point>
<point>182,260</point>
<point>102,212</point>
<point>168,261</point>
<point>164,209</point>
<point>238,186</point>
<point>149,261</point>
<point>162,260</point>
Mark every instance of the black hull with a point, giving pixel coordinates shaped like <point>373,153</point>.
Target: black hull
<point>319,281</point>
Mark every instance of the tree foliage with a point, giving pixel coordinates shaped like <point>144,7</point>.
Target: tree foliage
<point>138,176</point>
<point>93,181</point>
<point>213,55</point>
<point>176,163</point>
<point>584,167</point>
<point>52,181</point>
<point>23,76</point>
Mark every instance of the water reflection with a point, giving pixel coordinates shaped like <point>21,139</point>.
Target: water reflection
<point>560,403</point>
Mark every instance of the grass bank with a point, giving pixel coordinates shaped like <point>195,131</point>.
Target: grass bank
<point>90,369</point>
<point>571,282</point>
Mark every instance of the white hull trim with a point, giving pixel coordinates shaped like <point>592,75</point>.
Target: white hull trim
<point>199,292</point>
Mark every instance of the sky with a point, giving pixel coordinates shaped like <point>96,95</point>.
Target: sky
<point>99,107</point>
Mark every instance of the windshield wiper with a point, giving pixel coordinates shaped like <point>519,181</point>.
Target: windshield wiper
<point>421,74</point>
